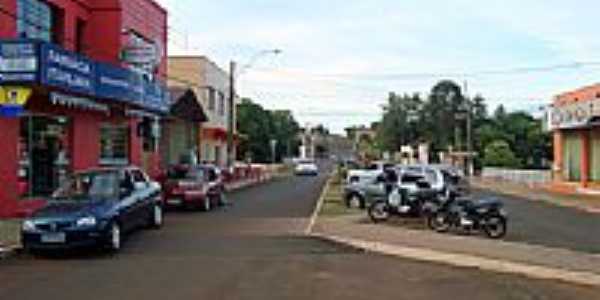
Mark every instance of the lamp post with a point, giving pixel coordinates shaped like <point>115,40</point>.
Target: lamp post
<point>232,92</point>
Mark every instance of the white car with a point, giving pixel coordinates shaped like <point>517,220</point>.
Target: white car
<point>306,167</point>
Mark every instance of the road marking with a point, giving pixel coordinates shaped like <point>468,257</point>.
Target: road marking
<point>315,214</point>
<point>462,260</point>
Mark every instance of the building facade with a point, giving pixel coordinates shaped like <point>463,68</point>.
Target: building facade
<point>575,124</point>
<point>81,86</point>
<point>211,84</point>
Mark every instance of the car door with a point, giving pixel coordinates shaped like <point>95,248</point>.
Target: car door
<point>143,198</point>
<point>127,201</point>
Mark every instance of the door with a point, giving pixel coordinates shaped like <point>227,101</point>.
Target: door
<point>143,200</point>
<point>595,155</point>
<point>127,205</point>
<point>572,156</point>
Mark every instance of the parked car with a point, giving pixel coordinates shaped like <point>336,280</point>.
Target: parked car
<point>193,186</point>
<point>444,180</point>
<point>373,169</point>
<point>95,208</point>
<point>369,188</point>
<point>362,186</point>
<point>306,168</point>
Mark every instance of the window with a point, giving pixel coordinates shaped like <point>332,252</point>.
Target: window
<point>114,144</point>
<point>34,20</point>
<point>221,104</point>
<point>212,95</point>
<point>80,36</point>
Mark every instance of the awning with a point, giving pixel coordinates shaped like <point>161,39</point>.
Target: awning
<point>186,106</point>
<point>77,102</point>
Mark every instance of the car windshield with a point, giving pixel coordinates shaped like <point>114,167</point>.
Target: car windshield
<point>88,186</point>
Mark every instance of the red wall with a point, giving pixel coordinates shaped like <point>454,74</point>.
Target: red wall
<point>8,28</point>
<point>9,135</point>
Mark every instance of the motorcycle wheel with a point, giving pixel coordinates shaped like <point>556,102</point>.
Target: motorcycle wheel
<point>379,212</point>
<point>439,221</point>
<point>495,227</point>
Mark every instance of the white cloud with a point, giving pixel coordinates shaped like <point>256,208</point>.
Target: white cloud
<point>370,38</point>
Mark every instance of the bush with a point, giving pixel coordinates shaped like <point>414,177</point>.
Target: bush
<point>499,154</point>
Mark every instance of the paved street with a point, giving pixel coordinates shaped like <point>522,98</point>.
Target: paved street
<point>255,250</point>
<point>544,224</point>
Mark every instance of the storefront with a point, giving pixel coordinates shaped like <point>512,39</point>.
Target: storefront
<point>575,121</point>
<point>61,112</point>
<point>181,129</point>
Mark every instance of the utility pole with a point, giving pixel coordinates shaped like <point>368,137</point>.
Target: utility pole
<point>470,166</point>
<point>231,115</point>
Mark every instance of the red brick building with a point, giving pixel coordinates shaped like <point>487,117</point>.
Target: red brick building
<point>575,123</point>
<point>81,85</point>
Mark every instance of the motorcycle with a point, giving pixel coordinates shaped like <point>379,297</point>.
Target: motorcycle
<point>486,215</point>
<point>400,202</point>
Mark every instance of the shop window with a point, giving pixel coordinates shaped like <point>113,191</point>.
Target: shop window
<point>34,20</point>
<point>212,98</point>
<point>221,104</point>
<point>80,36</point>
<point>114,144</point>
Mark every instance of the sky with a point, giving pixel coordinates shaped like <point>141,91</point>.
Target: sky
<point>340,59</point>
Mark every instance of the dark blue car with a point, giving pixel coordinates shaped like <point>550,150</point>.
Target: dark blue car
<point>95,209</point>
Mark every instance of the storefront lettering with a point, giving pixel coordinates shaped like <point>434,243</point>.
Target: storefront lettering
<point>69,61</point>
<point>69,79</point>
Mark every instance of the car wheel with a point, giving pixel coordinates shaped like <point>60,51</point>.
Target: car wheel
<point>157,217</point>
<point>115,237</point>
<point>378,212</point>
<point>355,202</point>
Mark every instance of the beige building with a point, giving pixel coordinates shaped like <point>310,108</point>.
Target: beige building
<point>211,85</point>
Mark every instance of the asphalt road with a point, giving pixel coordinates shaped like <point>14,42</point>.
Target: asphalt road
<point>544,224</point>
<point>255,250</point>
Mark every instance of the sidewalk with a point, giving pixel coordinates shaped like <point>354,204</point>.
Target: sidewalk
<point>466,251</point>
<point>588,203</point>
<point>9,236</point>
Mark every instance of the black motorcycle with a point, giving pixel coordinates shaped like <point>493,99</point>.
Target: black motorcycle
<point>487,215</point>
<point>401,202</point>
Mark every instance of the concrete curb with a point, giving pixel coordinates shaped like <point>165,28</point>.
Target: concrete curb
<point>468,261</point>
<point>7,252</point>
<point>315,214</point>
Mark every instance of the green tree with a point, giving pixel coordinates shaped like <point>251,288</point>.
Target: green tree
<point>259,126</point>
<point>499,154</point>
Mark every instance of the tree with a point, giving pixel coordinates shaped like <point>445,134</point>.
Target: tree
<point>499,154</point>
<point>259,126</point>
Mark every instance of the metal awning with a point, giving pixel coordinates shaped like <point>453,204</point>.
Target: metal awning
<point>186,106</point>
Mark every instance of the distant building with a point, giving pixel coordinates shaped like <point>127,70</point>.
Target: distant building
<point>210,83</point>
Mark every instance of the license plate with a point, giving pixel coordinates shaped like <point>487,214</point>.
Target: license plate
<point>174,201</point>
<point>54,238</point>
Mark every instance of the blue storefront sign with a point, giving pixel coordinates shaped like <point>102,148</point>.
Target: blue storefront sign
<point>66,70</point>
<point>118,83</point>
<point>29,62</point>
<point>18,62</point>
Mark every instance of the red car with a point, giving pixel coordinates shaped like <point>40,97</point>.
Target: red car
<point>193,186</point>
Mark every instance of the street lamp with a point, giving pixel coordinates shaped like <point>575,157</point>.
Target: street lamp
<point>231,112</point>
